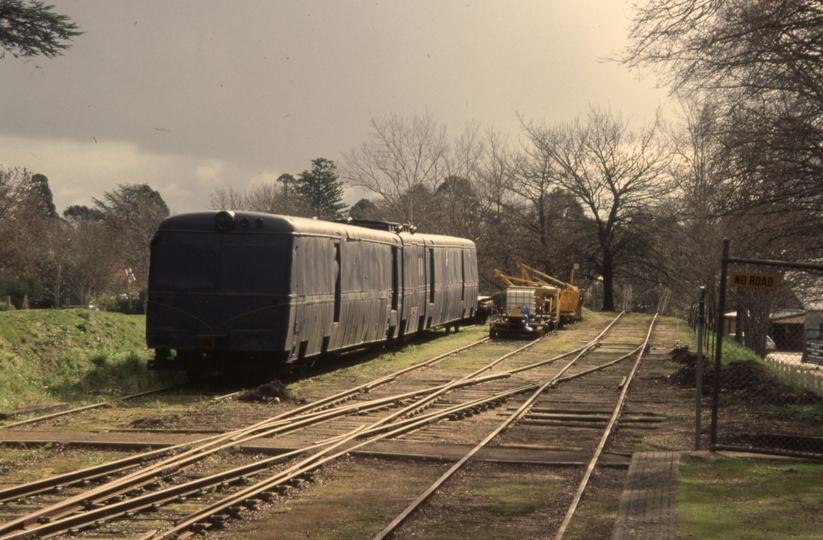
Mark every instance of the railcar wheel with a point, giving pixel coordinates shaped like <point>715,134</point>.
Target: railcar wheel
<point>305,365</point>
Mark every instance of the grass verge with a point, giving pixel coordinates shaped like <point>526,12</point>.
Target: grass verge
<point>68,355</point>
<point>755,499</point>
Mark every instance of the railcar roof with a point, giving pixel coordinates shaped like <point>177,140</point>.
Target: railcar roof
<point>262,223</point>
<point>435,239</point>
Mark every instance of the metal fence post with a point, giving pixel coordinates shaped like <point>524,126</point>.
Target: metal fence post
<point>718,349</point>
<point>701,323</point>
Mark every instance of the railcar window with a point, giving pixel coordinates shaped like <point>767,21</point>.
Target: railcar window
<point>187,264</point>
<point>222,264</point>
<point>255,264</point>
<point>421,270</point>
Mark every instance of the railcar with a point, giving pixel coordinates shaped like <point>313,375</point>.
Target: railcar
<point>256,293</point>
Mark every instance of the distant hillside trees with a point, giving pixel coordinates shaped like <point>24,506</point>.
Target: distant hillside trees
<point>366,209</point>
<point>50,261</point>
<point>131,214</point>
<point>317,192</point>
<point>278,197</point>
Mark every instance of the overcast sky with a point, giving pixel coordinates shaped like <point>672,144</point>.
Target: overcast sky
<point>190,95</point>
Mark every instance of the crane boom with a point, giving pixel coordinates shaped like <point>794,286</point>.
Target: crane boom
<point>525,269</point>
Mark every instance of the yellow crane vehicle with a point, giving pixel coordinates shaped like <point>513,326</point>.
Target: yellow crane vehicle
<point>534,305</point>
<point>571,299</point>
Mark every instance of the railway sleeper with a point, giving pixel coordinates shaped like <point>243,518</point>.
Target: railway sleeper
<point>235,512</point>
<point>217,520</point>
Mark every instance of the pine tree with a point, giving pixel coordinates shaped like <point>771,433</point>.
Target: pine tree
<point>321,190</point>
<point>40,187</point>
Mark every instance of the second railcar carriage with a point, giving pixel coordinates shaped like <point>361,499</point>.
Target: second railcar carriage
<point>251,292</point>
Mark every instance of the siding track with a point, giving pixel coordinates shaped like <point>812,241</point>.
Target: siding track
<point>453,400</point>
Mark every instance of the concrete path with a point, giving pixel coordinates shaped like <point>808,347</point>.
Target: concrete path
<point>648,506</point>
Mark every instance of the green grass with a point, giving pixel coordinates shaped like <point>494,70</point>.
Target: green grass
<point>64,355</point>
<point>749,499</point>
<point>492,502</point>
<point>387,362</point>
<point>356,504</point>
<point>735,352</point>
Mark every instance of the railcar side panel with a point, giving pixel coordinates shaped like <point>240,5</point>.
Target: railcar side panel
<point>363,289</point>
<point>313,278</point>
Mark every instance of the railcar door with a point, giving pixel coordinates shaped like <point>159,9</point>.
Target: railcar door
<point>394,308</point>
<point>411,280</point>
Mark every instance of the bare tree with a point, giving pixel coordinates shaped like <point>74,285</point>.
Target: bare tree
<point>532,178</point>
<point>758,61</point>
<point>617,174</point>
<point>699,171</point>
<point>750,47</point>
<point>271,197</point>
<point>227,199</point>
<point>402,161</point>
<point>498,243</point>
<point>456,202</point>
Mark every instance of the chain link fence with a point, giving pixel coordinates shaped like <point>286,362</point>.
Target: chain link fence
<point>762,352</point>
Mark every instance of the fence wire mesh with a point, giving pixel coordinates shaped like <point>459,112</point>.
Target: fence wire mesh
<point>763,359</point>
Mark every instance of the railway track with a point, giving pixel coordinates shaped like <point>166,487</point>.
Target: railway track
<point>75,410</point>
<point>408,406</point>
<point>87,507</point>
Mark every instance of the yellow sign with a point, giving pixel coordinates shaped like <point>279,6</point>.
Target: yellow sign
<point>750,280</point>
